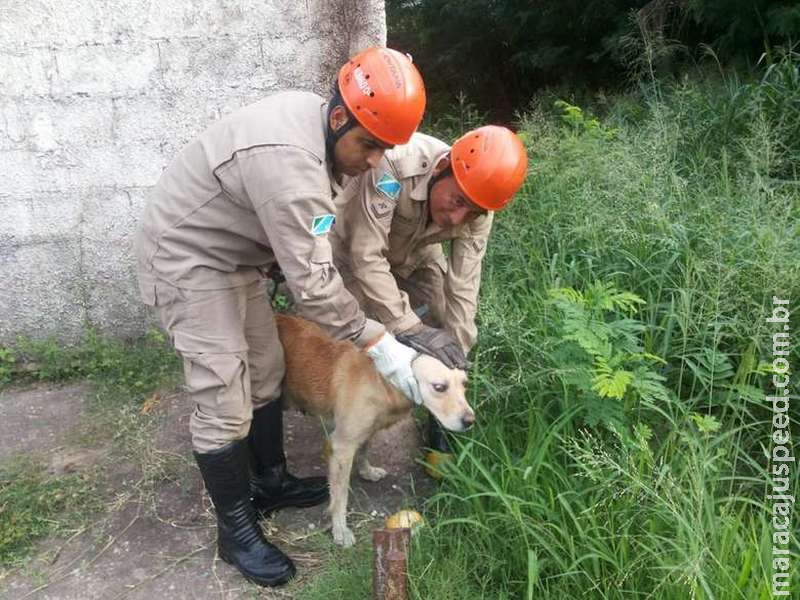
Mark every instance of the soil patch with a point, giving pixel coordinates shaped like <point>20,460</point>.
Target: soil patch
<point>36,418</point>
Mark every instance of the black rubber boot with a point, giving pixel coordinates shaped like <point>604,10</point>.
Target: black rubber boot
<point>239,538</point>
<point>272,487</point>
<point>440,450</point>
<point>437,438</point>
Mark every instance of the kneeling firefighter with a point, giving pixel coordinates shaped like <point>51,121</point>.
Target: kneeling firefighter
<point>392,223</point>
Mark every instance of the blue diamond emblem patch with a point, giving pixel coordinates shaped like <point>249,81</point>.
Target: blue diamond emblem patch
<point>322,224</point>
<point>388,186</point>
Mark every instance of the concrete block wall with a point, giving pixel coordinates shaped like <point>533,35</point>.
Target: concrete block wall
<point>96,97</point>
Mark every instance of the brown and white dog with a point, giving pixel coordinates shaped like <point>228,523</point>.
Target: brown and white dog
<point>335,379</point>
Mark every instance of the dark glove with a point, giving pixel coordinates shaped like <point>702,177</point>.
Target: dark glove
<point>436,342</point>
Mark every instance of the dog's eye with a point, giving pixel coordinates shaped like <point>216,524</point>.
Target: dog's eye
<point>440,387</point>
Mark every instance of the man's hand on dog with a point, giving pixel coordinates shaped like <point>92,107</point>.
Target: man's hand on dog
<point>437,343</point>
<point>393,360</point>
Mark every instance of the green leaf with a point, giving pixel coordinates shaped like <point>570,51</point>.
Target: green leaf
<point>611,383</point>
<point>705,423</point>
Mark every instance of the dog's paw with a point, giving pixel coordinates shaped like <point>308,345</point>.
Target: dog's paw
<point>371,473</point>
<point>343,537</point>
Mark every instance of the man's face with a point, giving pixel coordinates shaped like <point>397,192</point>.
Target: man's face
<point>357,150</point>
<point>448,205</point>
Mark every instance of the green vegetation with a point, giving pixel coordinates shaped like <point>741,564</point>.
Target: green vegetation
<point>34,504</point>
<point>502,53</point>
<point>345,574</point>
<point>121,370</point>
<point>624,358</point>
<point>624,355</point>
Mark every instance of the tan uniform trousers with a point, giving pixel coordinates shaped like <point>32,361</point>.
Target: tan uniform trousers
<point>232,358</point>
<point>424,286</point>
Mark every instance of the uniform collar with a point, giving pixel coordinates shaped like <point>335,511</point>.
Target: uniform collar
<point>420,190</point>
<point>336,189</point>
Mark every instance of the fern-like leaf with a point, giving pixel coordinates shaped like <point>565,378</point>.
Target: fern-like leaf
<point>650,386</point>
<point>609,382</point>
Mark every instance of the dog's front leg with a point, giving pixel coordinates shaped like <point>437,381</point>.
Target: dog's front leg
<point>341,462</point>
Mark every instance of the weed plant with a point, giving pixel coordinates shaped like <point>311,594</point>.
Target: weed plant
<point>121,370</point>
<point>622,437</point>
<point>33,504</point>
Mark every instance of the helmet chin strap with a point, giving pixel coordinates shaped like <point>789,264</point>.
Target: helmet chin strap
<point>446,172</point>
<point>331,136</point>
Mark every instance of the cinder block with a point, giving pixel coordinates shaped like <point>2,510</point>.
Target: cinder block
<point>68,23</point>
<point>134,165</point>
<point>28,73</point>
<point>108,68</point>
<point>115,309</point>
<point>34,172</point>
<point>110,217</point>
<point>12,129</point>
<point>113,303</point>
<point>65,23</point>
<point>214,18</point>
<point>169,119</point>
<point>76,168</point>
<point>41,291</point>
<point>40,218</point>
<point>125,165</point>
<point>26,23</point>
<point>206,66</point>
<point>43,123</point>
<point>297,64</point>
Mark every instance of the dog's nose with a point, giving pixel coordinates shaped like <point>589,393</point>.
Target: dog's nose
<point>468,420</point>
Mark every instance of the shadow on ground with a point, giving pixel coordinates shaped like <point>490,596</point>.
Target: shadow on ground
<point>156,536</point>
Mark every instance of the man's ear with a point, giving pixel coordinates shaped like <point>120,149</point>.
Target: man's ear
<point>338,117</point>
<point>441,165</point>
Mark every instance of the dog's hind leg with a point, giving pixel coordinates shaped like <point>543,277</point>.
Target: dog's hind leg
<point>339,467</point>
<point>365,470</point>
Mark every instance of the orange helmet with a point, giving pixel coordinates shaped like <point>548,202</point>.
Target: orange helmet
<point>384,91</point>
<point>489,164</point>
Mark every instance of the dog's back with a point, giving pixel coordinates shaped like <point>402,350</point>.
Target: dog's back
<point>319,368</point>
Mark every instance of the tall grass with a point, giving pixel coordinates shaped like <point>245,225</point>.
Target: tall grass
<point>692,204</point>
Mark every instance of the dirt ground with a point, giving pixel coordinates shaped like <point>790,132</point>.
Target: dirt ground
<point>155,538</point>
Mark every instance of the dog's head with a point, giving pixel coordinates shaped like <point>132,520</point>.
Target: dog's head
<point>442,392</point>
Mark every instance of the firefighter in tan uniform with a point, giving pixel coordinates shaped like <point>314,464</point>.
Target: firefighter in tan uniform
<point>253,190</point>
<point>392,221</point>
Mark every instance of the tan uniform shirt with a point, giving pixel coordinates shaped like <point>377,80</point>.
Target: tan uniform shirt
<point>252,189</point>
<point>382,227</point>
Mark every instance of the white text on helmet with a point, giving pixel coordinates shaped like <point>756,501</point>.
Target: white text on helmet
<point>361,81</point>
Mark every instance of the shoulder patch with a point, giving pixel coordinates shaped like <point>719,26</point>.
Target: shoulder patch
<point>381,208</point>
<point>478,245</point>
<point>388,186</point>
<point>322,224</point>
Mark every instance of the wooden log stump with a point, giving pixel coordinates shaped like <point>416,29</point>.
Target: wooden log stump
<point>390,563</point>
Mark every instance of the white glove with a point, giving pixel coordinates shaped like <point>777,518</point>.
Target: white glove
<point>393,360</point>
